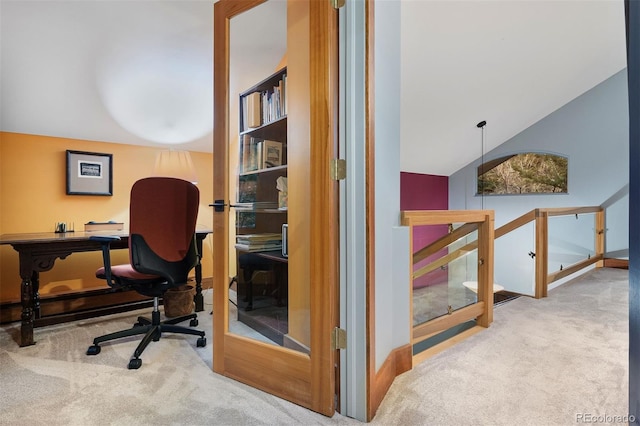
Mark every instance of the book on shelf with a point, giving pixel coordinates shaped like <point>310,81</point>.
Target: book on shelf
<point>271,154</point>
<point>253,115</point>
<point>257,154</point>
<point>273,101</point>
<point>249,154</point>
<point>245,153</point>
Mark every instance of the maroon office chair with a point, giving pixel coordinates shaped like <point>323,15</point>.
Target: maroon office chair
<point>162,251</point>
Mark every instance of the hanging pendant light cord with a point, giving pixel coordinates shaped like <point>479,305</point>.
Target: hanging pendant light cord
<point>481,126</point>
<point>482,202</point>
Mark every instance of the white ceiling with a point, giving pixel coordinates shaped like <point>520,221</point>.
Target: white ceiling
<point>134,72</point>
<point>140,72</point>
<point>510,63</point>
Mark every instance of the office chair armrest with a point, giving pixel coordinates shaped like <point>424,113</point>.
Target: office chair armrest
<point>105,241</point>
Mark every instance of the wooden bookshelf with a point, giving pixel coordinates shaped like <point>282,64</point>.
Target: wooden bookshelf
<point>262,160</point>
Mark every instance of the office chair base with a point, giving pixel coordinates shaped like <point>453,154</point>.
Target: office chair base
<point>152,330</point>
<point>134,364</point>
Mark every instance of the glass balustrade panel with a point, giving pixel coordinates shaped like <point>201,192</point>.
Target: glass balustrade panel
<point>571,240</point>
<point>444,281</point>
<point>514,260</point>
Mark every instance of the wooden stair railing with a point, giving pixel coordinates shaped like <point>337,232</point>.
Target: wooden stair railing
<point>480,220</point>
<point>541,218</point>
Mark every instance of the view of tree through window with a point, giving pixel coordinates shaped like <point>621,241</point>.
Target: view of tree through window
<point>526,173</point>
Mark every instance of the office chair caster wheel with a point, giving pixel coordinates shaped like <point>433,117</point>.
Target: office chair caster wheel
<point>93,350</point>
<point>194,322</point>
<point>202,342</point>
<point>134,364</point>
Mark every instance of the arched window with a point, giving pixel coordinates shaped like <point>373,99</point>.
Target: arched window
<point>524,173</point>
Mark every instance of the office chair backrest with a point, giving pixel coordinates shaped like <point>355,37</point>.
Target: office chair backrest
<point>163,214</point>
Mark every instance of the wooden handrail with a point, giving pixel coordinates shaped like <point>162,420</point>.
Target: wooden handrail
<point>441,217</point>
<point>442,261</point>
<point>424,331</point>
<point>516,223</point>
<point>565,211</point>
<point>531,215</point>
<point>444,241</point>
<point>539,215</point>
<point>555,276</point>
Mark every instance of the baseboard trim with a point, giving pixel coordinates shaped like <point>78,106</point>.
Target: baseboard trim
<point>616,263</point>
<point>398,362</point>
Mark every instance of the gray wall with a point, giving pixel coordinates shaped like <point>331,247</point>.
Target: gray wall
<point>592,131</point>
<point>392,326</point>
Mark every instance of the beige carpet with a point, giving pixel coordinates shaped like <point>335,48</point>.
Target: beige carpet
<point>55,383</point>
<point>542,362</point>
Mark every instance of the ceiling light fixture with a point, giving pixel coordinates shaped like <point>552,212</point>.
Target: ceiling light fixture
<point>159,90</point>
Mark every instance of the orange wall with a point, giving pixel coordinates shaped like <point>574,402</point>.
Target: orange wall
<point>33,197</point>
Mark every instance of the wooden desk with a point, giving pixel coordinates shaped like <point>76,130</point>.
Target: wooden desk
<point>267,319</point>
<point>39,251</point>
<point>250,262</point>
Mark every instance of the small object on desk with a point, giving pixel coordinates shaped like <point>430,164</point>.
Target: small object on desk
<point>103,226</point>
<point>62,227</point>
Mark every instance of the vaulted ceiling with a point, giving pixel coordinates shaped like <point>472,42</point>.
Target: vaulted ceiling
<point>140,72</point>
<point>509,63</point>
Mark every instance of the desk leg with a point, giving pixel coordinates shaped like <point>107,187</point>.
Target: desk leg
<point>282,283</point>
<point>197,298</point>
<point>35,285</point>
<point>28,291</point>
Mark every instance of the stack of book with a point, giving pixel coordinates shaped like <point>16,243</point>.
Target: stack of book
<point>256,205</point>
<point>259,242</point>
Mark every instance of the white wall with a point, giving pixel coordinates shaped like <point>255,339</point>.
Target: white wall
<point>592,131</point>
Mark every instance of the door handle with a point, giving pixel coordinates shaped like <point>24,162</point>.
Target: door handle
<point>218,205</point>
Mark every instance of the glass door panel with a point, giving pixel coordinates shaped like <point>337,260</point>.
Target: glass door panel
<point>273,289</point>
<point>257,134</point>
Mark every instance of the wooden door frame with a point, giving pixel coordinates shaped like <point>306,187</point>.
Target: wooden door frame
<point>305,380</point>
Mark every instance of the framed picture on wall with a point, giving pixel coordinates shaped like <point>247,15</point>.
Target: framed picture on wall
<point>89,173</point>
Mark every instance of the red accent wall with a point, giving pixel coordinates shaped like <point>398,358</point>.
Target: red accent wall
<point>425,192</point>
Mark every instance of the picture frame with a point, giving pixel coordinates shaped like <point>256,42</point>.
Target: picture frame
<point>89,173</point>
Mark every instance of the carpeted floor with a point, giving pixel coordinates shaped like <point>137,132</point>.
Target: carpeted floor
<point>55,383</point>
<point>542,362</point>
